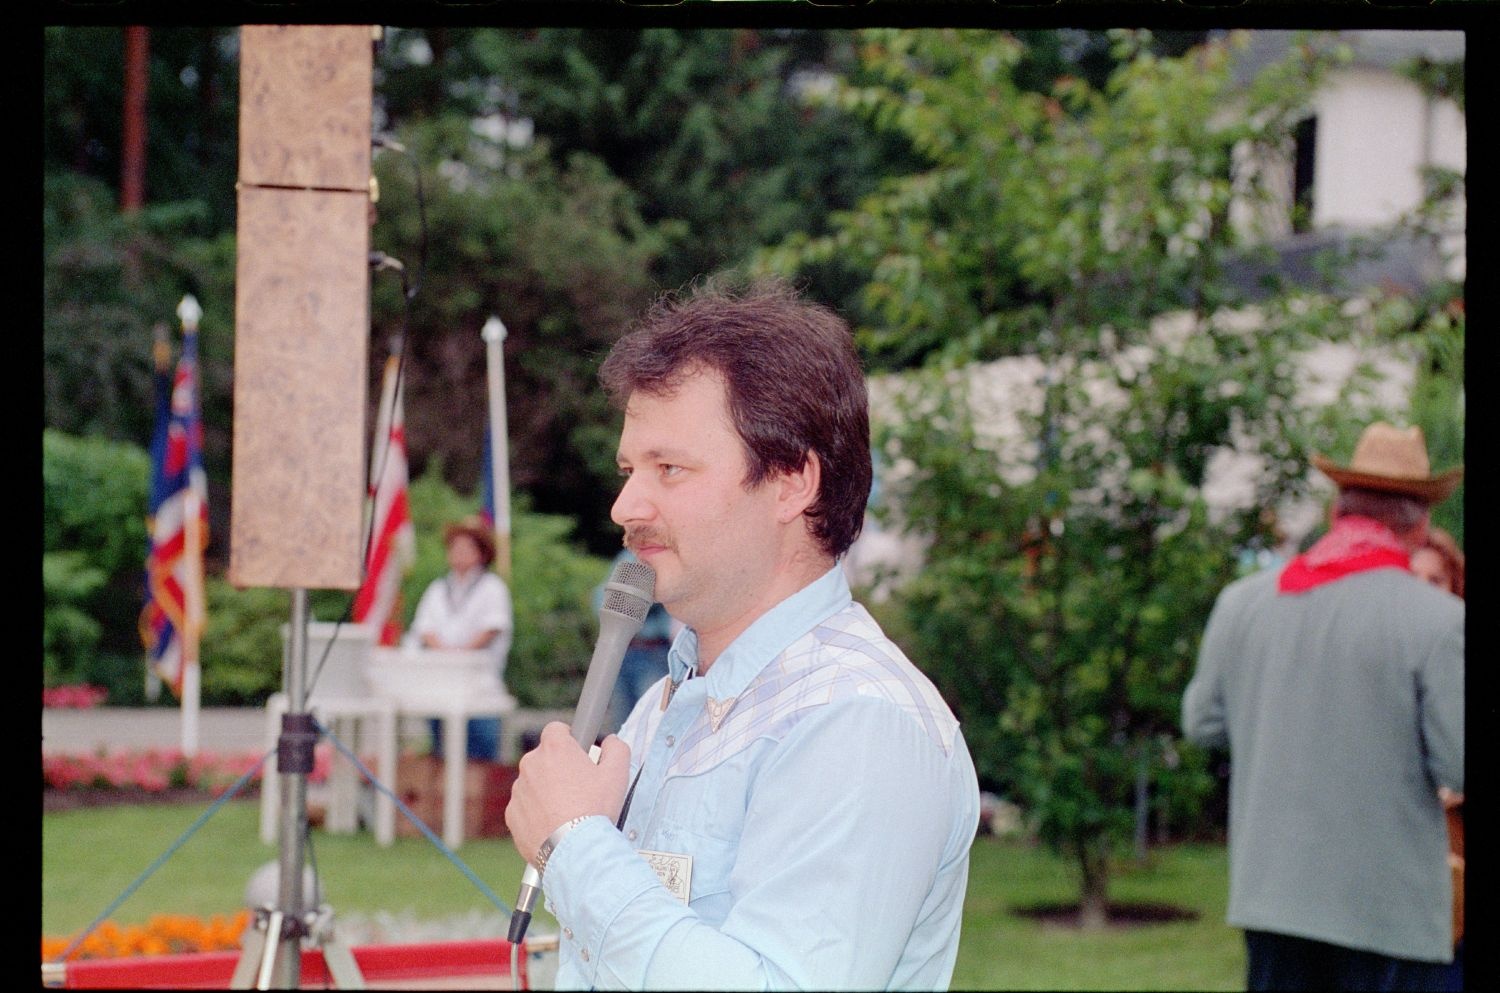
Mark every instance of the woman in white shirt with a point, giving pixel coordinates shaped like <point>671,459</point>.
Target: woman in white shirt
<point>467,609</point>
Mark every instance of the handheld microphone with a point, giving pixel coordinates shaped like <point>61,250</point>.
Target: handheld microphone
<point>628,596</point>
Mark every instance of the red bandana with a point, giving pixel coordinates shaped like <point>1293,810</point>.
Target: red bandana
<point>1352,545</point>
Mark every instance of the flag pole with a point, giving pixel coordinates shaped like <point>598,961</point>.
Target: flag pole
<point>493,335</point>
<point>193,607</point>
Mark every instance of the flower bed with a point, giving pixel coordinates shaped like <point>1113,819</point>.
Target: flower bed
<point>163,934</point>
<point>80,697</point>
<point>160,770</point>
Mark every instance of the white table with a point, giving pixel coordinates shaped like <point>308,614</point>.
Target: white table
<point>343,716</point>
<point>452,686</point>
<point>342,700</point>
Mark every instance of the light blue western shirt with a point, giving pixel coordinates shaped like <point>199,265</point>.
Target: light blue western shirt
<point>827,800</point>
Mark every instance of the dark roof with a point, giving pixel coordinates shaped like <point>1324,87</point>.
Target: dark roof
<point>1382,49</point>
<point>1399,262</point>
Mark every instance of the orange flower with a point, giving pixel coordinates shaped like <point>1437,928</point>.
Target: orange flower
<point>163,934</point>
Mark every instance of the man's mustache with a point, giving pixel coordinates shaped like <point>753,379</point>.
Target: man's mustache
<point>637,538</point>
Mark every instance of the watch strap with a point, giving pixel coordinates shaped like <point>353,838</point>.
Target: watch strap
<point>544,852</point>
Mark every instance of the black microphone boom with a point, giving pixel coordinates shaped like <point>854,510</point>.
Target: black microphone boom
<point>628,596</point>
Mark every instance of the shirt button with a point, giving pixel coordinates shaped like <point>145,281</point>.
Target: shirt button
<point>568,933</point>
<point>671,741</point>
<point>631,835</point>
<point>583,953</point>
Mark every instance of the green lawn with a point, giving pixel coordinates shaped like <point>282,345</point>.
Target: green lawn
<point>1001,950</point>
<point>90,856</point>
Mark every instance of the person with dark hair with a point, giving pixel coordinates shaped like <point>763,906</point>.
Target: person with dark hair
<point>469,609</point>
<point>792,806</point>
<point>1337,684</point>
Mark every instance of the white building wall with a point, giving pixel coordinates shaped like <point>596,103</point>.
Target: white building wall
<point>1376,132</point>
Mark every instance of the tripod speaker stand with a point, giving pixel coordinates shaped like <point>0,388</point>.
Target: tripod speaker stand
<point>273,946</point>
<point>300,390</point>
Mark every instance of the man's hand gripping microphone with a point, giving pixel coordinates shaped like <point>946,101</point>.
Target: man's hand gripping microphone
<point>628,596</point>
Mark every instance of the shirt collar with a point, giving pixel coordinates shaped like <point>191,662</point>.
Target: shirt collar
<point>766,638</point>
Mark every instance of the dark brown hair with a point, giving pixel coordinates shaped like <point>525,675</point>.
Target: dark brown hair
<point>1396,511</point>
<point>793,379</point>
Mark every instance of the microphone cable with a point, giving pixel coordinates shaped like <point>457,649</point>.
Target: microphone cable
<point>382,262</point>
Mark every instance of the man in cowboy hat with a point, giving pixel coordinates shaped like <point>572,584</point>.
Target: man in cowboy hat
<point>469,609</point>
<point>1337,683</point>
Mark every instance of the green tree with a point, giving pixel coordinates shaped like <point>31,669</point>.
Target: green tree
<point>701,124</point>
<point>93,554</point>
<point>108,281</point>
<point>557,249</point>
<point>191,106</point>
<point>560,255</point>
<point>1084,231</point>
<point>570,174</point>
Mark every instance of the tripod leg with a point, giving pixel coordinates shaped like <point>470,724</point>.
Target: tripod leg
<point>341,965</point>
<point>258,959</point>
<point>250,959</point>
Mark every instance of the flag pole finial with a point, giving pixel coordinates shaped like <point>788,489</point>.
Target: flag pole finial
<point>493,330</point>
<point>189,311</point>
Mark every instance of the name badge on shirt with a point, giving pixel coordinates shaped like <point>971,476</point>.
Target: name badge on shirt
<point>675,871</point>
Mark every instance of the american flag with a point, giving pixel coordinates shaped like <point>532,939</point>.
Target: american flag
<point>392,537</point>
<point>177,521</point>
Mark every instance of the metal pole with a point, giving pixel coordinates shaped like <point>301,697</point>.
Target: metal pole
<point>193,608</point>
<point>493,335</point>
<point>294,728</point>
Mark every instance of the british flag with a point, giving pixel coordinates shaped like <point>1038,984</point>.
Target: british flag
<point>177,521</point>
<point>392,537</point>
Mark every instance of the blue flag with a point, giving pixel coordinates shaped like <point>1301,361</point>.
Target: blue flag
<point>487,482</point>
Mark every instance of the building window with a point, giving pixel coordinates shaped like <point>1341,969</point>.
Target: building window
<point>1306,141</point>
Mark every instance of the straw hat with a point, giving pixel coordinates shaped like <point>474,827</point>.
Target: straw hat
<point>1393,460</point>
<point>476,528</point>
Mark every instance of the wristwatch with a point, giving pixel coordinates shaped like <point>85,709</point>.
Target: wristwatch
<point>545,851</point>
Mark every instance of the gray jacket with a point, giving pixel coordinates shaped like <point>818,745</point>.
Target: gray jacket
<point>1343,711</point>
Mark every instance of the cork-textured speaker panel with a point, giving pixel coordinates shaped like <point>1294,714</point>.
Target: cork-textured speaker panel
<point>300,388</point>
<point>305,105</point>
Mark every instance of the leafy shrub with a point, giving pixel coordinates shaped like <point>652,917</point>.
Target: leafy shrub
<point>93,555</point>
<point>241,651</point>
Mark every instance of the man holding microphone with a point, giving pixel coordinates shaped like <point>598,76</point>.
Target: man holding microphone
<point>793,805</point>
